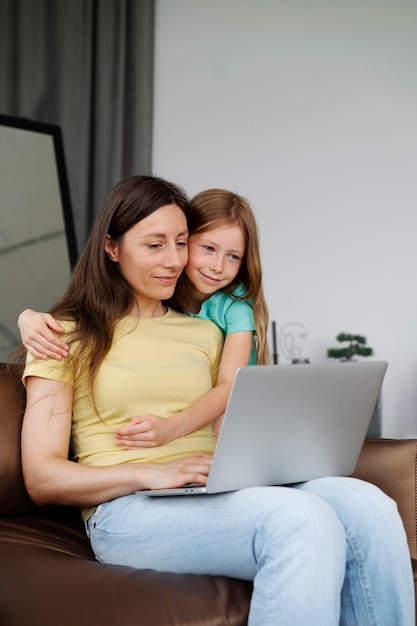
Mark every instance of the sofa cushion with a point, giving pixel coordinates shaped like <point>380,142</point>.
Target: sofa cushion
<point>56,529</point>
<point>13,496</point>
<point>50,578</point>
<point>391,464</point>
<point>42,587</point>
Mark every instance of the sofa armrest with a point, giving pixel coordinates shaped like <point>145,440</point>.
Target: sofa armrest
<point>391,465</point>
<point>14,499</point>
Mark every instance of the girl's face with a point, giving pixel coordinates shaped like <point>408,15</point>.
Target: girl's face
<point>152,254</point>
<point>214,258</point>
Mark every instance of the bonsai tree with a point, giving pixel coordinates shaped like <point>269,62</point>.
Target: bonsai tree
<point>356,345</point>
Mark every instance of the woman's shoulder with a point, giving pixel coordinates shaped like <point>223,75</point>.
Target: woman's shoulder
<point>69,326</point>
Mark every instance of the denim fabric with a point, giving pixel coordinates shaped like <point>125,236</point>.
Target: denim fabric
<point>328,552</point>
<point>378,588</point>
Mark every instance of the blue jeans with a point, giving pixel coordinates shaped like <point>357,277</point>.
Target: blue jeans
<point>327,552</point>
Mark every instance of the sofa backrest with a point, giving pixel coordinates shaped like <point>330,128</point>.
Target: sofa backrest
<point>391,464</point>
<point>14,499</point>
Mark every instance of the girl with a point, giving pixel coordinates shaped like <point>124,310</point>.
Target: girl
<point>222,281</point>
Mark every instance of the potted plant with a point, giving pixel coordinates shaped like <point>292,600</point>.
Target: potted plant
<point>356,345</point>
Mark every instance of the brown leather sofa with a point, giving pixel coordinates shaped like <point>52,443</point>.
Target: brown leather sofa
<point>49,577</point>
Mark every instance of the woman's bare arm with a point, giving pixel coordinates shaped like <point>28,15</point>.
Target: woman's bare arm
<point>51,478</point>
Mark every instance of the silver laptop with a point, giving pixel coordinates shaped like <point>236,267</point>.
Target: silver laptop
<point>290,423</point>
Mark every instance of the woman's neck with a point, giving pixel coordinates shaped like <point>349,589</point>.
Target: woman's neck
<point>148,309</point>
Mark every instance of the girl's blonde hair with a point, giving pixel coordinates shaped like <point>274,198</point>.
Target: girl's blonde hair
<point>219,207</point>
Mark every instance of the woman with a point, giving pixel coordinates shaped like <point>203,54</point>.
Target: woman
<point>313,552</point>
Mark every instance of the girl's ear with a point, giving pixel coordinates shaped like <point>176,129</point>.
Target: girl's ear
<point>111,248</point>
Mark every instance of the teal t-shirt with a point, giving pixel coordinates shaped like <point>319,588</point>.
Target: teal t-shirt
<point>230,314</point>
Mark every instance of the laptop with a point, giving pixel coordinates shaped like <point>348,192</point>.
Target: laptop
<point>286,424</point>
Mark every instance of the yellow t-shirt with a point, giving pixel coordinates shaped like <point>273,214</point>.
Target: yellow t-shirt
<point>156,365</point>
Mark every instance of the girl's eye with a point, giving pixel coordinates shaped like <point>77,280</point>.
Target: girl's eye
<point>234,258</point>
<point>208,248</point>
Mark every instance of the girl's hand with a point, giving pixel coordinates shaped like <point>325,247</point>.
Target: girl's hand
<point>193,468</point>
<point>38,335</point>
<point>145,431</point>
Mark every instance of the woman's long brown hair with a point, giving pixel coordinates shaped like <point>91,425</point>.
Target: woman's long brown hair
<point>97,295</point>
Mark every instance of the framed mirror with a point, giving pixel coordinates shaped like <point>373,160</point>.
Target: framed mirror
<point>37,238</point>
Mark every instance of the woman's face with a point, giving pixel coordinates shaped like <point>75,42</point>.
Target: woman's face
<point>214,258</point>
<point>152,254</point>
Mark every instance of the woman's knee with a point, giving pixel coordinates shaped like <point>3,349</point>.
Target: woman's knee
<point>301,516</point>
<point>356,502</point>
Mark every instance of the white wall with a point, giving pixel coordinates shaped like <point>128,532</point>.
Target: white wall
<point>308,108</point>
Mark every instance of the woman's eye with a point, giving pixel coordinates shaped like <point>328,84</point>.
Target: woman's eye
<point>154,246</point>
<point>182,244</point>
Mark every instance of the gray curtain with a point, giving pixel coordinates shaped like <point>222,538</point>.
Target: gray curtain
<point>86,66</point>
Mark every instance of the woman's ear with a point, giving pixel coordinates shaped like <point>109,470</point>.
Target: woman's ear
<point>111,248</point>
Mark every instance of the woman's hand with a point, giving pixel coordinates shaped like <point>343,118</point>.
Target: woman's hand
<point>193,468</point>
<point>38,335</point>
<point>146,431</point>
